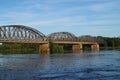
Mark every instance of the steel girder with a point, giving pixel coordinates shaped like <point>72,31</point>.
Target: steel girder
<point>20,32</point>
<point>62,36</point>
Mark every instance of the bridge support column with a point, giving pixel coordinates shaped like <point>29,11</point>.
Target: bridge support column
<point>76,47</point>
<point>44,48</point>
<point>95,47</point>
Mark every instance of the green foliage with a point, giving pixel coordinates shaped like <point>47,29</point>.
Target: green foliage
<point>14,48</point>
<point>113,42</point>
<point>55,48</point>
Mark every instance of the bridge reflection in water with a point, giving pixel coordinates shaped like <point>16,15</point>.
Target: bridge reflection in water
<point>24,34</point>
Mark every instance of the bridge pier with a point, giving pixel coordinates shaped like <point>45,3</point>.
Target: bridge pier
<point>94,47</point>
<point>44,48</point>
<point>76,48</point>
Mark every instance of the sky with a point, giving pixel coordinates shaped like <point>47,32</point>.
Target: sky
<point>80,17</point>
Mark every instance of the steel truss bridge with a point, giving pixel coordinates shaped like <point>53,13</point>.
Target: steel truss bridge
<point>25,34</point>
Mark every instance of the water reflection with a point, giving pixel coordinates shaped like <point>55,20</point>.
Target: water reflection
<point>102,65</point>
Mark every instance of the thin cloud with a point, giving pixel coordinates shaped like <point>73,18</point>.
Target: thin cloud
<point>103,6</point>
<point>68,14</point>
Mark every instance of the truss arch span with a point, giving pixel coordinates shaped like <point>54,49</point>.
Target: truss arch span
<point>86,38</point>
<point>20,32</point>
<point>62,36</point>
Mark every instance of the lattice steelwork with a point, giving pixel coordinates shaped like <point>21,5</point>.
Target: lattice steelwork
<point>20,32</point>
<point>87,38</point>
<point>62,36</point>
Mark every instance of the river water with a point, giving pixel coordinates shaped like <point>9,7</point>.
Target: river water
<point>102,65</point>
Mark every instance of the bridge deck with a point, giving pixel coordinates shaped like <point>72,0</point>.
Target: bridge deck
<point>72,42</point>
<point>42,42</point>
<point>24,41</point>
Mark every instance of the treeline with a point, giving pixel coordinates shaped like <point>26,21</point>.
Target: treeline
<point>17,48</point>
<point>57,48</point>
<point>112,42</point>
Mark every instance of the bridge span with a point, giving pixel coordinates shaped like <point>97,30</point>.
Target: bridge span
<point>24,34</point>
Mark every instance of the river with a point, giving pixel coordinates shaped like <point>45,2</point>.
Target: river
<point>100,65</point>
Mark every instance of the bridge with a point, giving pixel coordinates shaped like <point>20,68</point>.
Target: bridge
<point>25,34</point>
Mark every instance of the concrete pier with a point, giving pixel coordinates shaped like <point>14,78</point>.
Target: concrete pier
<point>76,48</point>
<point>44,48</point>
<point>95,47</point>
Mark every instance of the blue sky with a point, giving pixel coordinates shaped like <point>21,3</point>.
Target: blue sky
<point>80,17</point>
